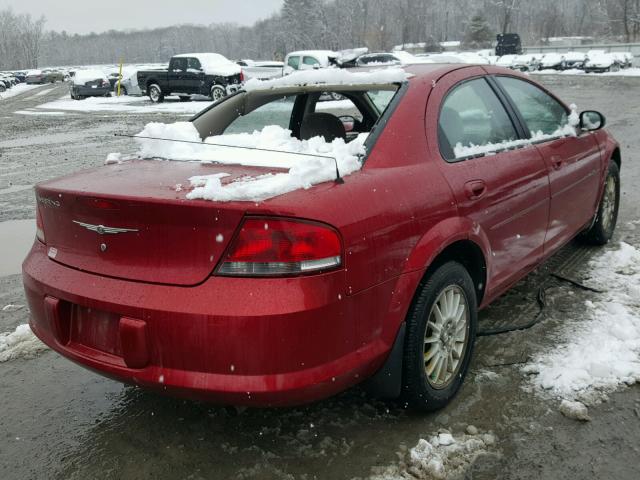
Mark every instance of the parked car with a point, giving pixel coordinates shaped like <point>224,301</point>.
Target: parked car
<point>295,298</point>
<point>602,62</point>
<point>309,60</point>
<point>508,44</point>
<point>552,61</point>
<point>90,83</point>
<point>129,83</point>
<point>209,74</point>
<point>53,75</point>
<point>262,70</point>
<point>20,75</point>
<point>527,62</point>
<point>4,85</point>
<point>625,59</point>
<point>35,77</point>
<point>574,60</point>
<point>373,59</point>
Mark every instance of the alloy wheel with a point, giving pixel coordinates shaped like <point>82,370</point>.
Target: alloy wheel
<point>446,337</point>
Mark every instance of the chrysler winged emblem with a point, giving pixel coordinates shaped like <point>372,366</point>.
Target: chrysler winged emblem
<point>103,229</point>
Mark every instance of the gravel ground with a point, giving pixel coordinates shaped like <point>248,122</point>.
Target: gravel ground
<point>61,421</point>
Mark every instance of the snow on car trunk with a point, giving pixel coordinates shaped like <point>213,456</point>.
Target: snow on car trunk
<point>307,162</point>
<point>602,350</point>
<point>83,77</point>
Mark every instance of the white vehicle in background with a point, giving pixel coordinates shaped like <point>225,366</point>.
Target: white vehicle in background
<point>552,61</point>
<point>309,60</point>
<point>128,83</point>
<point>526,62</point>
<point>407,58</point>
<point>262,69</point>
<point>575,60</point>
<point>472,57</point>
<point>602,62</point>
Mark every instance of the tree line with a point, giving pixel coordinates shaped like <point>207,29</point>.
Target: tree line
<point>326,24</point>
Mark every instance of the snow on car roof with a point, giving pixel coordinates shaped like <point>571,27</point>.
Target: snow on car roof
<point>318,53</point>
<point>214,63</point>
<point>330,77</point>
<point>83,76</point>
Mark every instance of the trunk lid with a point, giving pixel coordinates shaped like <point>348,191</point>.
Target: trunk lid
<point>132,221</point>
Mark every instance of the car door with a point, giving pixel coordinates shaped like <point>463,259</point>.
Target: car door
<point>502,188</point>
<point>573,162</point>
<point>175,76</point>
<point>309,63</point>
<point>194,76</point>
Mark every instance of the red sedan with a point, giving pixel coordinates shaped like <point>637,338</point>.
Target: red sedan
<point>470,177</point>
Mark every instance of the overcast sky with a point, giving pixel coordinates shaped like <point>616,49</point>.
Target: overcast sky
<point>84,16</point>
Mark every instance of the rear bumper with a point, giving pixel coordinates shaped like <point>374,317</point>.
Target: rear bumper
<point>301,339</point>
<point>90,92</point>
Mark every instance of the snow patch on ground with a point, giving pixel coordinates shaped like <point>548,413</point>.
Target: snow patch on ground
<point>601,351</point>
<point>21,343</point>
<point>18,89</point>
<point>309,162</point>
<point>442,456</point>
<point>125,103</point>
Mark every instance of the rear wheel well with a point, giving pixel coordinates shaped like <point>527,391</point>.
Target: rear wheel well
<point>470,256</point>
<point>616,157</point>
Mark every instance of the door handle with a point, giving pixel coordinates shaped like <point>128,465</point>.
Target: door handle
<point>475,189</point>
<point>556,162</point>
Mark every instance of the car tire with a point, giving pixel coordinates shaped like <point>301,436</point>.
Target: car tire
<point>185,98</point>
<point>155,93</point>
<point>2,88</point>
<point>217,93</point>
<point>606,218</point>
<point>444,311</point>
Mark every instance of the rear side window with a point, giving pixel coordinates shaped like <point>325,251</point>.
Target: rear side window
<point>310,61</point>
<point>179,64</point>
<point>194,64</point>
<point>541,112</point>
<point>294,62</point>
<point>472,119</point>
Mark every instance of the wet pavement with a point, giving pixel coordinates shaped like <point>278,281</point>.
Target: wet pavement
<point>61,421</point>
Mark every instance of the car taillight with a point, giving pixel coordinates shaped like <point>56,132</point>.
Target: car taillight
<point>269,246</point>
<point>241,76</point>
<point>39,226</point>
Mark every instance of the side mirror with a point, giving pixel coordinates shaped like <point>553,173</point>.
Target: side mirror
<point>590,121</point>
<point>349,122</point>
<point>316,66</point>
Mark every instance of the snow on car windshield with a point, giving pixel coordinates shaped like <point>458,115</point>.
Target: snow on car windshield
<point>309,162</point>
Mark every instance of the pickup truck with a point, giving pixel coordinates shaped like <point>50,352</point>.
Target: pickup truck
<point>208,74</point>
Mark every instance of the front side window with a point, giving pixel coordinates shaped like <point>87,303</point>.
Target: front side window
<point>542,113</point>
<point>473,122</point>
<point>294,62</point>
<point>179,64</point>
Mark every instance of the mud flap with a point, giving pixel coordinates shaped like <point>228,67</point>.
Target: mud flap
<point>387,382</point>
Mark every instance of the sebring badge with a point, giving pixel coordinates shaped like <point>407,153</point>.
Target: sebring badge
<point>103,229</point>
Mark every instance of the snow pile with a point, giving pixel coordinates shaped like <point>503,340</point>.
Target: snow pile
<point>472,150</point>
<point>21,343</point>
<point>309,162</point>
<point>440,457</point>
<point>602,348</point>
<point>330,76</point>
<point>575,410</point>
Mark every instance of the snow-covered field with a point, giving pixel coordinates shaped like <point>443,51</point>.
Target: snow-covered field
<point>599,350</point>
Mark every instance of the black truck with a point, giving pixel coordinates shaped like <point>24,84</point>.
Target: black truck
<point>208,74</point>
<point>508,44</point>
